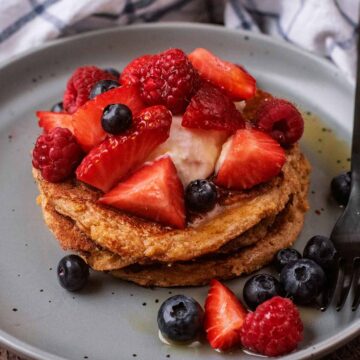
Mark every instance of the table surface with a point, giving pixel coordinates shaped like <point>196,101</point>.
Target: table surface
<point>350,351</point>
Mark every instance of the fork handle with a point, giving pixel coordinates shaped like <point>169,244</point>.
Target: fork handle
<point>355,151</point>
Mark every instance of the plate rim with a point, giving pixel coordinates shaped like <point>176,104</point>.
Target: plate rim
<point>320,349</point>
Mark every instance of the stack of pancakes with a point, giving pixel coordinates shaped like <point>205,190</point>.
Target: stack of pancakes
<point>241,235</point>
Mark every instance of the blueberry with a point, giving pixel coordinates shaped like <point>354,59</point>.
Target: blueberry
<point>340,187</point>
<point>113,71</point>
<point>302,280</point>
<point>103,86</point>
<point>180,318</point>
<point>58,107</point>
<point>286,256</point>
<point>321,250</point>
<point>260,288</point>
<point>73,272</point>
<point>116,118</point>
<point>200,195</point>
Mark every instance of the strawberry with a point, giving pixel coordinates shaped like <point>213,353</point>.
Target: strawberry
<point>231,78</point>
<point>224,317</point>
<point>153,192</point>
<point>211,109</point>
<point>49,120</point>
<point>116,156</point>
<point>87,119</point>
<point>248,158</point>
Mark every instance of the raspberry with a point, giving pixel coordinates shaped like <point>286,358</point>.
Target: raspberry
<point>211,109</point>
<point>80,84</point>
<point>56,154</point>
<point>274,329</point>
<point>135,70</point>
<point>169,80</point>
<point>281,120</point>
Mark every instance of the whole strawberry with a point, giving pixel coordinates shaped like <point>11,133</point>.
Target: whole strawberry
<point>56,154</point>
<point>169,80</point>
<point>273,329</point>
<point>80,84</point>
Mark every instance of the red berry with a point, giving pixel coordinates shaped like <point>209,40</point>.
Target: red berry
<point>135,70</point>
<point>56,154</point>
<point>211,109</point>
<point>231,78</point>
<point>248,158</point>
<point>159,194</point>
<point>169,80</point>
<point>80,84</point>
<point>281,120</point>
<point>274,329</point>
<point>49,120</point>
<point>107,163</point>
<point>224,317</point>
<point>87,119</point>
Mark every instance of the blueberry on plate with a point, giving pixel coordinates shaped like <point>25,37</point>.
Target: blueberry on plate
<point>286,256</point>
<point>302,280</point>
<point>260,288</point>
<point>73,272</point>
<point>113,71</point>
<point>116,118</point>
<point>322,251</point>
<point>58,107</point>
<point>200,195</point>
<point>180,318</point>
<point>340,187</point>
<point>103,86</point>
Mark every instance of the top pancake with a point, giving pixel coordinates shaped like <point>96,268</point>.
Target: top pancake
<point>137,240</point>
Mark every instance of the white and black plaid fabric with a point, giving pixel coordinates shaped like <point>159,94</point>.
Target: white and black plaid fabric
<point>326,27</point>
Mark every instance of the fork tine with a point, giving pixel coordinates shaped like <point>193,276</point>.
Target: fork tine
<point>356,280</point>
<point>330,286</point>
<point>344,283</point>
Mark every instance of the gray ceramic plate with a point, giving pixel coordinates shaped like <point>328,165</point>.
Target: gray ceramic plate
<point>113,319</point>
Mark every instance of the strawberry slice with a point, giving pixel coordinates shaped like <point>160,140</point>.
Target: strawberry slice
<point>224,317</point>
<point>248,158</point>
<point>87,119</point>
<point>49,120</point>
<point>116,156</point>
<point>231,78</point>
<point>153,192</point>
<point>211,109</point>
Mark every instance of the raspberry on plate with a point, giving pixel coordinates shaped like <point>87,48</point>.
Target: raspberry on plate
<point>56,154</point>
<point>116,156</point>
<point>281,120</point>
<point>169,80</point>
<point>211,109</point>
<point>273,329</point>
<point>231,78</point>
<point>135,70</point>
<point>79,86</point>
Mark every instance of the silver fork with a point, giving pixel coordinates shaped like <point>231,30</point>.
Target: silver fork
<point>346,233</point>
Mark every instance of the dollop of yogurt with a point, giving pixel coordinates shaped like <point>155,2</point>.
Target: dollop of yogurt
<point>193,151</point>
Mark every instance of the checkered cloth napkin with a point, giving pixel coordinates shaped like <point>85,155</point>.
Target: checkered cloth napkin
<point>326,27</point>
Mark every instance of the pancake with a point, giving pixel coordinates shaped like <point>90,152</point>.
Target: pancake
<point>267,237</point>
<point>138,241</point>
